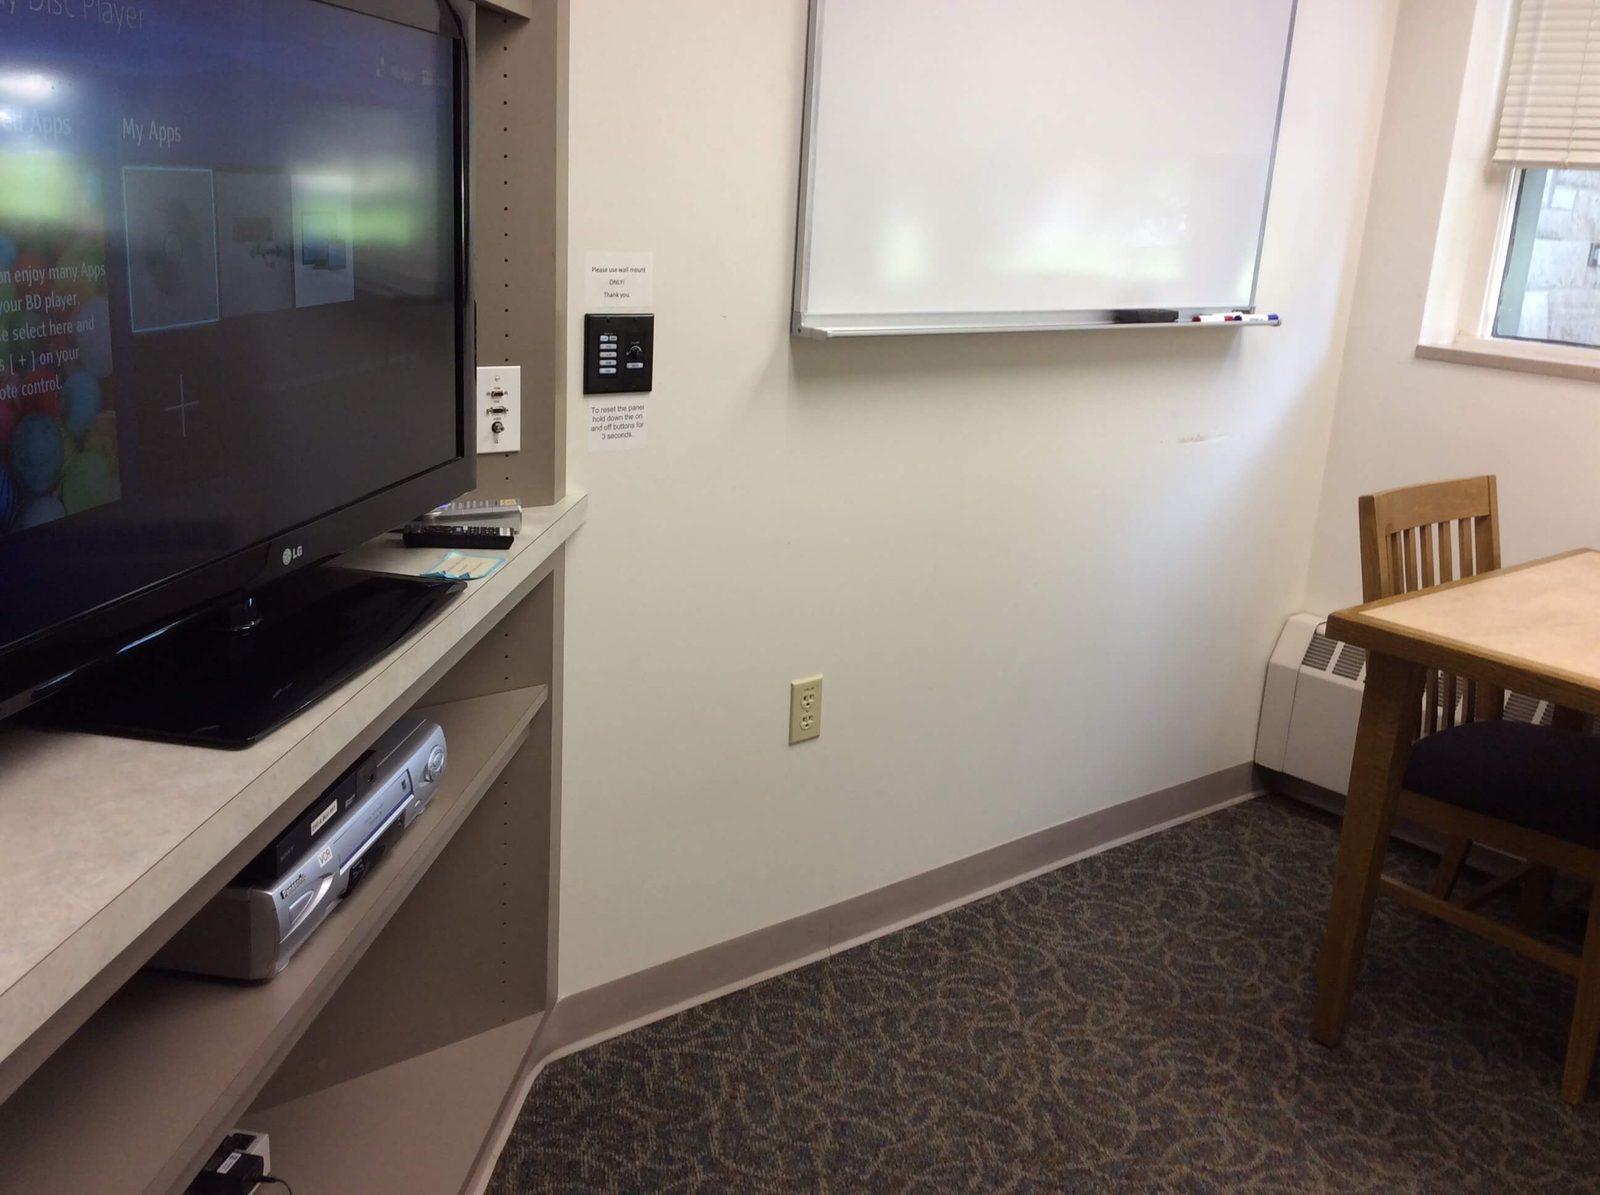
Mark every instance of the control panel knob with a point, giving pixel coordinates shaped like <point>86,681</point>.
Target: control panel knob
<point>435,766</point>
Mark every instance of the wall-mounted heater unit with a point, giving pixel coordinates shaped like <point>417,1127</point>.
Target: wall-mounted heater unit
<point>1312,702</point>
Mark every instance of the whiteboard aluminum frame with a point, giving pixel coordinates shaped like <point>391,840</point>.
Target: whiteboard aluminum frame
<point>827,327</point>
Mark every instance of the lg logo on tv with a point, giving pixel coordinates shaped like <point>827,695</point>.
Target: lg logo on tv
<point>290,555</point>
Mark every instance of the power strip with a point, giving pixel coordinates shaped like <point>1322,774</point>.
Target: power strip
<point>241,1165</point>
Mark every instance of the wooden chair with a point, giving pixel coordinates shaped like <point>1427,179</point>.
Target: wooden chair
<point>1418,537</point>
<point>1532,792</point>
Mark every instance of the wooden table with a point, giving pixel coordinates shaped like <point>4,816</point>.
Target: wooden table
<point>1533,629</point>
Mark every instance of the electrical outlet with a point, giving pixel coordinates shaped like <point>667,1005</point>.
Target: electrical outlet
<point>499,409</point>
<point>805,709</point>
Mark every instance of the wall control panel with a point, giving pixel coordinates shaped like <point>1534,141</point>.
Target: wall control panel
<point>618,354</point>
<point>499,409</point>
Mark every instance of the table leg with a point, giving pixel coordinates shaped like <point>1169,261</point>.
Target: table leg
<point>1585,1030</point>
<point>1390,714</point>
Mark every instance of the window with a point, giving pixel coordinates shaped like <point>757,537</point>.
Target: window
<point>1550,287</point>
<point>1548,135</point>
<point>1515,282</point>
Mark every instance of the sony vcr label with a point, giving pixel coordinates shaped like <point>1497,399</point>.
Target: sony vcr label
<point>325,816</point>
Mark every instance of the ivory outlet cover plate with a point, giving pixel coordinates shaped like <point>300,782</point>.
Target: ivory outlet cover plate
<point>805,709</point>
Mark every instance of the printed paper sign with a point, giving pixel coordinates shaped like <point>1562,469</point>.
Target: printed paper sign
<point>618,281</point>
<point>616,424</point>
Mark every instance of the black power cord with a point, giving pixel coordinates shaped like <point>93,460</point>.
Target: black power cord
<point>267,1178</point>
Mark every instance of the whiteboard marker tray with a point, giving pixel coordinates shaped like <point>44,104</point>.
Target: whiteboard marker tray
<point>829,327</point>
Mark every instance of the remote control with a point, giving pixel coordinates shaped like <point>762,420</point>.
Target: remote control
<point>457,535</point>
<point>475,508</point>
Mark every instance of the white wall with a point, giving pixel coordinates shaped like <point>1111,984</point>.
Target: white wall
<point>1041,574</point>
<point>1402,420</point>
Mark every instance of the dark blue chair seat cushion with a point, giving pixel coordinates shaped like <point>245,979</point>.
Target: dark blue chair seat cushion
<point>1532,776</point>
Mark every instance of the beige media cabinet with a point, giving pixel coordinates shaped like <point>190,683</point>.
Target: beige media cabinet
<point>386,1048</point>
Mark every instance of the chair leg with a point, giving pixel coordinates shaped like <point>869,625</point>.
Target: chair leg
<point>1449,870</point>
<point>1534,901</point>
<point>1585,1033</point>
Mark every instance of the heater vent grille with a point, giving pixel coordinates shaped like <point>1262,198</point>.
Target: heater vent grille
<point>1351,661</point>
<point>1521,708</point>
<point>1319,653</point>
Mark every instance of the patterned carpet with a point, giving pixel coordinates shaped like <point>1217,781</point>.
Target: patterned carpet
<point>1134,1021</point>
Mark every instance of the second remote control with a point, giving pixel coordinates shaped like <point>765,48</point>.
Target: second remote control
<point>454,535</point>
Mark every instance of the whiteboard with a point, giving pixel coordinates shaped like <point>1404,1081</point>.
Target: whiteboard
<point>1014,163</point>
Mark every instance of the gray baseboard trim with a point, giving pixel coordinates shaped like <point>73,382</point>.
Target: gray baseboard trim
<point>589,1017</point>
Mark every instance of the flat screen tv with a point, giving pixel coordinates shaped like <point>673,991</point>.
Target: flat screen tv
<point>235,341</point>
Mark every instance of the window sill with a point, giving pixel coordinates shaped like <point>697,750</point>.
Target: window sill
<point>1552,360</point>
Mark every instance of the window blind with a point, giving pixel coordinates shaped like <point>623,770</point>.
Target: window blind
<point>1550,109</point>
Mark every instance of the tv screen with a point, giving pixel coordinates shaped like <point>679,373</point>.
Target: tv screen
<point>232,282</point>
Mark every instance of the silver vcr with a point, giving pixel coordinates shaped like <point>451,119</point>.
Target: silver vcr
<point>252,928</point>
